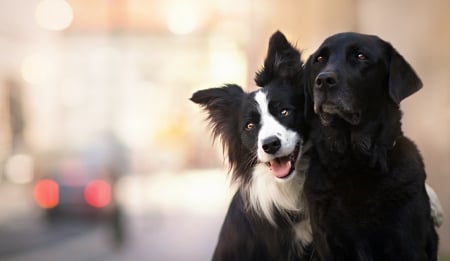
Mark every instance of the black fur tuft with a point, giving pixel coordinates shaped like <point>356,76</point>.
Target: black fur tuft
<point>283,61</point>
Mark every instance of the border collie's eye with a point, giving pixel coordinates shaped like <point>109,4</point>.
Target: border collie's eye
<point>361,57</point>
<point>284,113</point>
<point>250,126</point>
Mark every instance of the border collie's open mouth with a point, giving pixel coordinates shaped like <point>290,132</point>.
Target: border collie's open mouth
<point>283,167</point>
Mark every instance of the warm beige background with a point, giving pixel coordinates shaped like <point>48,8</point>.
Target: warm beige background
<point>119,69</point>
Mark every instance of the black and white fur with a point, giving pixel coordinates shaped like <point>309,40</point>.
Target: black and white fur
<point>263,139</point>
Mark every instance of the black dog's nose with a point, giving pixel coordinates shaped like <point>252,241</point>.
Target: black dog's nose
<point>271,145</point>
<point>326,79</point>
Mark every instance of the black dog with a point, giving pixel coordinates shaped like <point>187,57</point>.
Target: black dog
<point>263,134</point>
<point>365,186</point>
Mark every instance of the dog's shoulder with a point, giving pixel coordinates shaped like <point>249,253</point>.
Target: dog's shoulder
<point>406,160</point>
<point>247,236</point>
<point>236,234</point>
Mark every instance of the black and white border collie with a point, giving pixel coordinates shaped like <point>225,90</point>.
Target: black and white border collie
<point>263,134</point>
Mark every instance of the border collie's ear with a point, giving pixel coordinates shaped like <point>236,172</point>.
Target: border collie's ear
<point>282,61</point>
<point>216,98</point>
<point>221,104</point>
<point>403,80</point>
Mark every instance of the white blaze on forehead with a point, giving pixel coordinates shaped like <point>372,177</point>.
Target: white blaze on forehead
<point>263,103</point>
<point>270,126</point>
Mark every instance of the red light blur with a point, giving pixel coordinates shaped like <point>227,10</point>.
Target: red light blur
<point>46,193</point>
<point>98,193</point>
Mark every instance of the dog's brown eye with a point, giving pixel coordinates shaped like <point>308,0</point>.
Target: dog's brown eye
<point>320,59</point>
<point>284,113</point>
<point>250,126</point>
<point>361,57</point>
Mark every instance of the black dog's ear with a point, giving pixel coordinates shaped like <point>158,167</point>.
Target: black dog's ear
<point>220,103</point>
<point>403,80</point>
<point>282,61</point>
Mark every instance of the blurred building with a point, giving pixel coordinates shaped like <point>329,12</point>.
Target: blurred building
<point>86,67</point>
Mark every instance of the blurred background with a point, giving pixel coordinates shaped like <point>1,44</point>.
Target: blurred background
<point>103,156</point>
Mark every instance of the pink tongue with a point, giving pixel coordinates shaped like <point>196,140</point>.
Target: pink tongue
<point>280,169</point>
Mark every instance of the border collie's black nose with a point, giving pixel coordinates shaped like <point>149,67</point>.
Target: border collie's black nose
<point>328,79</point>
<point>271,145</point>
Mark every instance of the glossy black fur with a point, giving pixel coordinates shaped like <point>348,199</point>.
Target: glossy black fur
<point>365,186</point>
<point>246,234</point>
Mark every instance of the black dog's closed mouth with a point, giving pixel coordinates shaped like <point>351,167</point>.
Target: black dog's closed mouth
<point>282,167</point>
<point>327,111</point>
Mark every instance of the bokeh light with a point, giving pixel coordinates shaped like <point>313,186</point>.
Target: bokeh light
<point>182,18</point>
<point>19,169</point>
<point>46,193</point>
<point>54,15</point>
<point>98,193</point>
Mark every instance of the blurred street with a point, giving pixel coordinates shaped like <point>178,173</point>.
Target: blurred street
<point>164,228</point>
<point>104,157</point>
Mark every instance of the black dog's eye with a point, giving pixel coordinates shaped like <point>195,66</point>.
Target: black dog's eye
<point>284,113</point>
<point>361,57</point>
<point>250,126</point>
<point>320,59</point>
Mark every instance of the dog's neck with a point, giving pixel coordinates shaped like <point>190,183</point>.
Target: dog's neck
<point>368,142</point>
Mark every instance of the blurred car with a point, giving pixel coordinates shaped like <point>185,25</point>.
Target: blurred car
<point>81,185</point>
<point>72,190</point>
